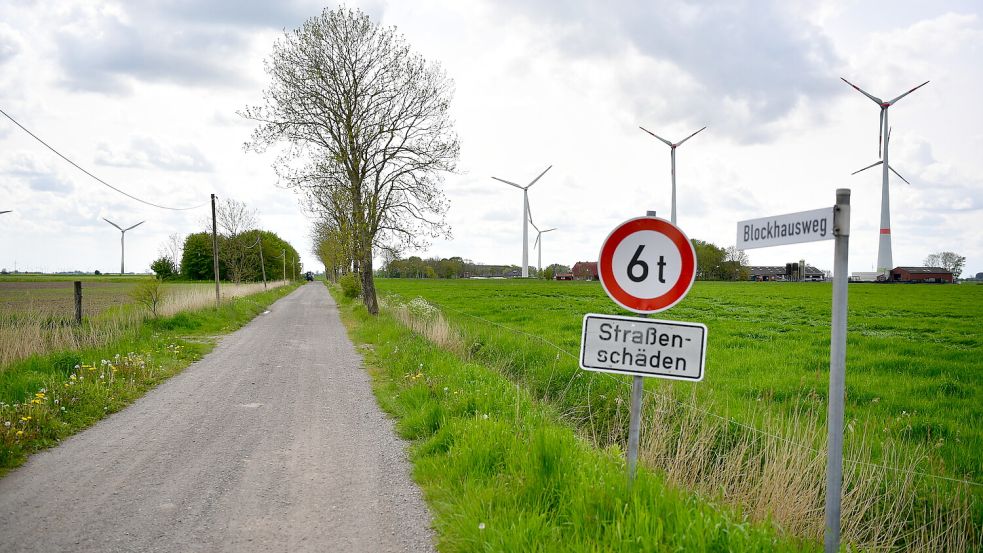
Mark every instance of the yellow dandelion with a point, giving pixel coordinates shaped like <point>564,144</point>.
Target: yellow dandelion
<point>20,433</point>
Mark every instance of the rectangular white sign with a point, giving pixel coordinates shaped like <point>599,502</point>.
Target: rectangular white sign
<point>643,347</point>
<point>792,228</point>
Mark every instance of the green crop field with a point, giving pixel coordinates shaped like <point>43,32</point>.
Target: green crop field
<point>914,384</point>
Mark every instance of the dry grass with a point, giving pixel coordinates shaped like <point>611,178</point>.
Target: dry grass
<point>34,327</point>
<point>774,471</point>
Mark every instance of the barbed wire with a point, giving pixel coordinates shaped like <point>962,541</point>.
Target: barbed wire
<point>707,412</point>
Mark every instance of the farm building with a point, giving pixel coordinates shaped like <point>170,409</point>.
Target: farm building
<point>563,276</point>
<point>785,273</point>
<point>920,274</point>
<point>585,270</point>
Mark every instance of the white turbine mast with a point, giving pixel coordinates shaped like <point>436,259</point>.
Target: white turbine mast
<point>672,155</point>
<point>525,218</point>
<point>538,244</point>
<point>122,236</point>
<point>885,259</point>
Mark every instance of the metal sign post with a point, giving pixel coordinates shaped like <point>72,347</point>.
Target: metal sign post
<point>837,369</point>
<point>646,265</point>
<point>809,226</point>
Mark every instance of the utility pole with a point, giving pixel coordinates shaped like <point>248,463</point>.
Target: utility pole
<point>283,254</point>
<point>215,252</point>
<point>262,262</point>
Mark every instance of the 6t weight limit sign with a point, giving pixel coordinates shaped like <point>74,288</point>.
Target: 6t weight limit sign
<point>647,265</point>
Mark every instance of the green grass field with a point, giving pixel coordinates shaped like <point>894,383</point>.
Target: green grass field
<point>753,434</point>
<point>914,357</point>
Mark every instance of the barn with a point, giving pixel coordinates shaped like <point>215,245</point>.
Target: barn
<point>920,274</point>
<point>585,270</point>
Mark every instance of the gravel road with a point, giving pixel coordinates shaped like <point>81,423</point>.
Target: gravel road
<point>272,442</point>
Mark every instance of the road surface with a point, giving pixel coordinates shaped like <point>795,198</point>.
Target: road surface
<point>272,442</point>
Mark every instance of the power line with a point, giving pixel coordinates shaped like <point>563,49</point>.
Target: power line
<point>77,166</point>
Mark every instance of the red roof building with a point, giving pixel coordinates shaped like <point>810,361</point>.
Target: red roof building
<point>920,274</point>
<point>585,270</point>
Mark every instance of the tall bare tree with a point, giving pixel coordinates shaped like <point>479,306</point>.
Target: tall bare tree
<point>950,261</point>
<point>369,134</point>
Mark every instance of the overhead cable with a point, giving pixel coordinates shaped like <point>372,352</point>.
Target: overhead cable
<point>97,179</point>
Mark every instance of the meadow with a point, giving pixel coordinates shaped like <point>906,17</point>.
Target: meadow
<point>752,434</point>
<point>37,312</point>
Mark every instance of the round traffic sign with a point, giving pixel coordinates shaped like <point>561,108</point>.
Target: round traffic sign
<point>647,265</point>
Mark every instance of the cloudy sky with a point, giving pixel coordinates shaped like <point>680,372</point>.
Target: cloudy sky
<point>144,95</point>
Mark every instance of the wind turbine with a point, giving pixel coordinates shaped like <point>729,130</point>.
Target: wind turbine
<point>525,218</point>
<point>122,236</point>
<point>884,257</point>
<point>672,154</point>
<point>538,242</point>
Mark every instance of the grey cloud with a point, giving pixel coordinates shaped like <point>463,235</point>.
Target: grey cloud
<point>27,170</point>
<point>258,13</point>
<point>104,57</point>
<point>752,62</point>
<point>147,153</point>
<point>9,45</point>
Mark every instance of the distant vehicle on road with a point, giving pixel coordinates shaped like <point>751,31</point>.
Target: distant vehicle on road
<point>309,276</point>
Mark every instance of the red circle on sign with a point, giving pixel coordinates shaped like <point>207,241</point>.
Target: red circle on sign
<point>605,266</point>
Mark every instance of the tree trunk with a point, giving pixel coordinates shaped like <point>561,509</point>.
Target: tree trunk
<point>368,284</point>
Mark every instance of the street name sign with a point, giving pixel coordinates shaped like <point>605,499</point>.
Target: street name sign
<point>643,347</point>
<point>791,228</point>
<point>647,265</point>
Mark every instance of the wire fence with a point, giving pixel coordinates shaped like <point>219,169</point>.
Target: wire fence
<point>709,413</point>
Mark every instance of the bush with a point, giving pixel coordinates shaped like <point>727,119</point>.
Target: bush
<point>350,285</point>
<point>149,294</point>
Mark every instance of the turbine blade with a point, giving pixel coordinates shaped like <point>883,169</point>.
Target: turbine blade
<point>657,136</point>
<point>688,137</point>
<point>909,92</point>
<point>875,164</point>
<point>549,229</point>
<point>898,174</point>
<point>536,243</point>
<point>860,90</point>
<point>136,225</point>
<point>112,223</point>
<point>880,134</point>
<point>539,177</point>
<point>507,182</point>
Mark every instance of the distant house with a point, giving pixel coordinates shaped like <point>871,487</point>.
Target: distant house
<point>585,270</point>
<point>866,276</point>
<point>920,274</point>
<point>563,276</point>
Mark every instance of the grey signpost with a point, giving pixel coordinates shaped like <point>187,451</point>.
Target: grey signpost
<point>820,224</point>
<point>646,265</point>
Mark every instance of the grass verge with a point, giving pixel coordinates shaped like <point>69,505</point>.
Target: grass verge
<point>45,398</point>
<point>501,472</point>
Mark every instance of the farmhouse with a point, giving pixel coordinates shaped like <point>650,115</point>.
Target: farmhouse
<point>585,270</point>
<point>920,274</point>
<point>563,276</point>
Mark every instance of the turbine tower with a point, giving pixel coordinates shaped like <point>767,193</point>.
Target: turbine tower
<point>885,261</point>
<point>122,236</point>
<point>525,218</point>
<point>672,155</point>
<point>539,243</point>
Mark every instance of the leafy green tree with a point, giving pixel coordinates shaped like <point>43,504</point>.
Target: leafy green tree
<point>950,261</point>
<point>709,261</point>
<point>196,258</point>
<point>163,267</point>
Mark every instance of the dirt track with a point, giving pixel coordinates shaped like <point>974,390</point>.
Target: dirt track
<point>272,442</point>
